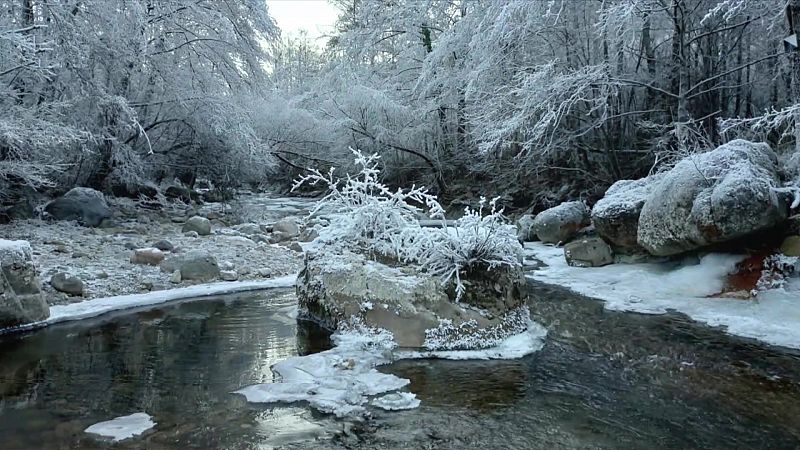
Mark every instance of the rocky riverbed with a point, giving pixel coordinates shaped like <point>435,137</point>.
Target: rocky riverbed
<point>76,263</point>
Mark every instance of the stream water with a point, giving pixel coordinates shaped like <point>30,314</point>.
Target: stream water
<point>604,380</point>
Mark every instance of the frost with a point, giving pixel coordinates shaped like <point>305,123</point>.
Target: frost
<point>397,401</point>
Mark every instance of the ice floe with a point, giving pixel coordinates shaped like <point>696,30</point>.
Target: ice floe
<point>123,427</point>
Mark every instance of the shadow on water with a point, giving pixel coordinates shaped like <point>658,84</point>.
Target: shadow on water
<point>604,380</point>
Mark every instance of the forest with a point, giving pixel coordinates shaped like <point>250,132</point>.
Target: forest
<point>538,101</point>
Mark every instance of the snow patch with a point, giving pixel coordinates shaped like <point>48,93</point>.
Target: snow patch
<point>100,306</point>
<point>123,427</point>
<point>654,288</point>
<point>397,401</point>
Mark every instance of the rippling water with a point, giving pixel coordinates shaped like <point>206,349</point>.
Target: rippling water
<point>604,380</point>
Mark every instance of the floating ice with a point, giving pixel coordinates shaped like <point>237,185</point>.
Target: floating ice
<point>123,427</point>
<point>654,288</point>
<point>341,380</point>
<point>396,401</point>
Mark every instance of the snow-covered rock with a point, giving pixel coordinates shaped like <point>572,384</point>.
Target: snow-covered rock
<point>616,215</point>
<point>83,204</point>
<point>228,275</point>
<point>560,223</point>
<point>286,226</point>
<point>68,284</point>
<point>199,225</point>
<point>21,299</point>
<point>712,197</point>
<point>588,252</point>
<point>346,289</point>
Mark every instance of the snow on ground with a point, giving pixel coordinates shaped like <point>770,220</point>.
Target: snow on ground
<point>342,380</point>
<point>654,288</point>
<point>101,257</point>
<point>123,427</point>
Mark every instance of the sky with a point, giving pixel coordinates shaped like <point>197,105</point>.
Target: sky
<point>315,16</point>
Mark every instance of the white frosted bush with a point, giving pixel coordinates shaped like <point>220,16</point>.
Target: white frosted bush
<point>364,215</point>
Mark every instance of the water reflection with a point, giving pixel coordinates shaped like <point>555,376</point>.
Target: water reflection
<point>178,363</point>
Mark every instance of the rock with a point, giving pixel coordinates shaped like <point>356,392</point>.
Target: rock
<point>21,298</point>
<point>588,252</point>
<point>194,266</point>
<point>241,271</point>
<point>164,246</point>
<point>61,249</point>
<point>67,284</point>
<point>80,255</point>
<point>616,215</point>
<point>228,275</point>
<point>199,225</point>
<point>248,229</point>
<point>131,245</point>
<point>148,256</point>
<point>134,191</point>
<point>191,234</point>
<point>711,198</point>
<point>226,265</point>
<point>296,247</point>
<point>525,232</point>
<point>175,277</point>
<point>279,236</point>
<point>85,205</point>
<point>102,275</point>
<point>560,223</point>
<point>417,309</point>
<point>791,246</point>
<point>286,227</point>
<point>265,272</point>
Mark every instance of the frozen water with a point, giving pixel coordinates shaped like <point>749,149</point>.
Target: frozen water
<point>123,427</point>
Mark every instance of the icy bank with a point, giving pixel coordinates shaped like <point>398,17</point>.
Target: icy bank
<point>342,380</point>
<point>123,427</point>
<point>100,306</point>
<point>774,317</point>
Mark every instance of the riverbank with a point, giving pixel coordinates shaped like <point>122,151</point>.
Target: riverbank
<point>101,257</point>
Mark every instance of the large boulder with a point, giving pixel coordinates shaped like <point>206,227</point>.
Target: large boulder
<point>21,298</point>
<point>193,266</point>
<point>525,232</point>
<point>83,204</point>
<point>348,289</point>
<point>616,215</point>
<point>560,223</point>
<point>711,198</point>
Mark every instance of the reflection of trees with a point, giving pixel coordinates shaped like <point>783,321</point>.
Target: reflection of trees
<point>478,385</point>
<point>180,362</point>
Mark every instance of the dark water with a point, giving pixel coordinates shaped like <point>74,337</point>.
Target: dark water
<point>604,380</point>
<point>179,364</point>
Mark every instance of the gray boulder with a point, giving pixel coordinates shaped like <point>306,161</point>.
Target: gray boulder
<point>21,298</point>
<point>588,252</point>
<point>616,215</point>
<point>287,228</point>
<point>83,204</point>
<point>67,284</point>
<point>560,223</point>
<point>342,289</point>
<point>199,225</point>
<point>525,231</point>
<point>711,198</point>
<point>194,266</point>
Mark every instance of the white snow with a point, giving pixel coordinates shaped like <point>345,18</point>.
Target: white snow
<point>396,401</point>
<point>123,427</point>
<point>341,380</point>
<point>653,288</point>
<point>100,306</point>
